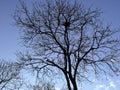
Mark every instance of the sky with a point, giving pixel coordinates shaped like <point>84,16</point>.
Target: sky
<point>10,42</point>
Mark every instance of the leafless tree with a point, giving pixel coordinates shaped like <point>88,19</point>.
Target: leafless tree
<point>8,74</point>
<point>66,37</point>
<point>41,85</point>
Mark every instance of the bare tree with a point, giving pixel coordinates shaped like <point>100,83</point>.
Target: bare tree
<point>41,85</point>
<point>66,37</point>
<point>8,74</point>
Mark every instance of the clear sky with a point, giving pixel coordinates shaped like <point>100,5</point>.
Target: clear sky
<point>10,41</point>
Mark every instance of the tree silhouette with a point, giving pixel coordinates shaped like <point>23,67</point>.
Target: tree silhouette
<point>9,74</point>
<point>66,37</point>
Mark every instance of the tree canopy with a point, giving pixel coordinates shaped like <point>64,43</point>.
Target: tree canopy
<point>67,38</point>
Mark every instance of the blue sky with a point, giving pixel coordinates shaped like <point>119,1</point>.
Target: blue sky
<point>10,41</point>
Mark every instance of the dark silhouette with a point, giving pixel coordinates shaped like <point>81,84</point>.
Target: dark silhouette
<point>67,38</point>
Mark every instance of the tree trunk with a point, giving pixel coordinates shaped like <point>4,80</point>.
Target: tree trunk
<point>71,83</point>
<point>67,80</point>
<point>74,85</point>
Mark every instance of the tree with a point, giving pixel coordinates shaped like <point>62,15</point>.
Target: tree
<point>41,85</point>
<point>66,37</point>
<point>8,75</point>
<point>11,80</point>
